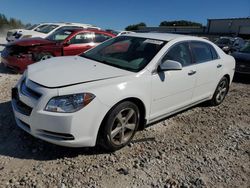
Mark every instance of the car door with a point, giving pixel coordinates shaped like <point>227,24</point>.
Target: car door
<point>208,65</point>
<point>79,43</point>
<point>173,89</point>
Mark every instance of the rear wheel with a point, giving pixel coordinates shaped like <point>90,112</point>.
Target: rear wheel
<point>120,126</point>
<point>45,56</point>
<point>220,92</point>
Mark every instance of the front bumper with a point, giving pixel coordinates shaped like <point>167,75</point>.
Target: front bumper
<point>77,129</point>
<point>17,64</point>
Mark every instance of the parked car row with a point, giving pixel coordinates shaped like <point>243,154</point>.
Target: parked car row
<point>42,41</point>
<point>43,30</point>
<point>66,41</point>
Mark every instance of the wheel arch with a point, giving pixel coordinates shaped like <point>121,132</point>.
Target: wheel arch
<point>137,102</point>
<point>227,76</point>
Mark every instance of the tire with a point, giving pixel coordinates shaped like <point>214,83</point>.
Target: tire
<point>119,126</point>
<point>220,92</point>
<point>44,56</point>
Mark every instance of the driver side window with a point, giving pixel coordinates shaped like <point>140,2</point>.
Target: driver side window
<point>179,52</point>
<point>82,38</point>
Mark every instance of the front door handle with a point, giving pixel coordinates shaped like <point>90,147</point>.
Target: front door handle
<point>219,65</point>
<point>191,72</point>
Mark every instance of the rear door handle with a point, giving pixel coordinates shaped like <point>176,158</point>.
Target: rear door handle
<point>191,72</point>
<point>219,65</point>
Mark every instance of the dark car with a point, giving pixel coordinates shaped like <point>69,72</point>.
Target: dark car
<point>242,58</point>
<point>230,44</point>
<point>65,42</point>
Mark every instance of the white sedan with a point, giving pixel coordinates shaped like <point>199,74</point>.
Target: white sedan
<point>108,93</point>
<point>14,34</point>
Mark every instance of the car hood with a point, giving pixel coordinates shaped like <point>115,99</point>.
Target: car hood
<point>31,42</point>
<point>20,30</point>
<point>241,56</point>
<point>33,34</point>
<point>71,70</point>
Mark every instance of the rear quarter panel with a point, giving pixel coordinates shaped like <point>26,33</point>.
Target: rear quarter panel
<point>228,63</point>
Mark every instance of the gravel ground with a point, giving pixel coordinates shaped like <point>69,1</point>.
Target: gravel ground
<point>201,147</point>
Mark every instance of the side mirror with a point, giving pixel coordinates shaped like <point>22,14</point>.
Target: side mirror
<point>169,65</point>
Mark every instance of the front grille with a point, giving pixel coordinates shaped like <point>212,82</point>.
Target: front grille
<point>29,92</point>
<point>56,136</point>
<point>19,105</point>
<point>25,125</point>
<point>5,53</point>
<point>9,34</point>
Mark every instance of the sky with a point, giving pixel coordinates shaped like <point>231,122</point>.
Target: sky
<point>117,14</point>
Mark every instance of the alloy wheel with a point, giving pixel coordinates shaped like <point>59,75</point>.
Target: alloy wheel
<point>46,57</point>
<point>222,91</point>
<point>124,126</point>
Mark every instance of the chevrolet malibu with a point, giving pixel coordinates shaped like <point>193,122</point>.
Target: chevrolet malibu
<point>117,88</point>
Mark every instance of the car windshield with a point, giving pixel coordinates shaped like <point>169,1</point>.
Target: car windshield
<point>59,35</point>
<point>31,27</point>
<point>246,48</point>
<point>41,27</point>
<point>47,29</point>
<point>126,52</point>
<point>223,41</point>
<point>112,31</point>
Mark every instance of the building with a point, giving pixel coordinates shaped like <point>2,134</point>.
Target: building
<point>175,29</point>
<point>229,26</point>
<point>215,27</point>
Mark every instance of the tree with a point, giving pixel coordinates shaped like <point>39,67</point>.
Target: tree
<point>180,23</point>
<point>135,26</point>
<point>9,23</point>
<point>3,20</point>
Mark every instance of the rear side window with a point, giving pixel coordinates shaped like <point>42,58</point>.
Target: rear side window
<point>179,52</point>
<point>82,38</point>
<point>101,37</point>
<point>201,51</point>
<point>214,53</point>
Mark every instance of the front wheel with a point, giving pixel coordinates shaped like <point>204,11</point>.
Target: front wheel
<point>120,126</point>
<point>45,56</point>
<point>220,92</point>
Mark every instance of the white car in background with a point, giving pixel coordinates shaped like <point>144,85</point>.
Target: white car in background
<point>118,33</point>
<point>108,93</point>
<point>14,34</point>
<point>125,32</point>
<point>50,28</point>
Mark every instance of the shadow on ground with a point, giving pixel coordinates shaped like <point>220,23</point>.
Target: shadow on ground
<point>14,142</point>
<point>5,70</point>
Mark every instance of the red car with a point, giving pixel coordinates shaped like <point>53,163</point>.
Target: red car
<point>21,53</point>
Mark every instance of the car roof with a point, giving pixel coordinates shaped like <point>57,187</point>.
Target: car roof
<point>157,36</point>
<point>77,30</point>
<point>61,24</point>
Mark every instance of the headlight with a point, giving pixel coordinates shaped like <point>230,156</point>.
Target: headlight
<point>69,103</point>
<point>18,35</point>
